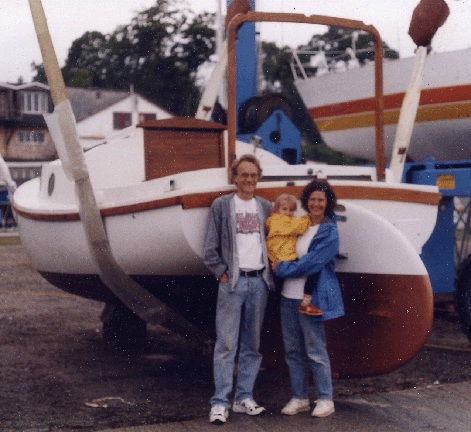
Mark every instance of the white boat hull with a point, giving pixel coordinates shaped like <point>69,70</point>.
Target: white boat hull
<point>163,234</point>
<point>158,240</point>
<point>443,124</point>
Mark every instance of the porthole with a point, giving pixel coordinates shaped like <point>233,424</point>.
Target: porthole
<point>275,137</point>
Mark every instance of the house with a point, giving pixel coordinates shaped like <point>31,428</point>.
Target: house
<point>23,131</point>
<point>99,113</point>
<point>24,139</point>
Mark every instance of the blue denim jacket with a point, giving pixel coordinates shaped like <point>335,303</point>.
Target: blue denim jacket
<point>320,257</point>
<point>220,251</point>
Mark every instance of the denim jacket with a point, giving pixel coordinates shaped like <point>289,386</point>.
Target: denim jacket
<point>320,258</point>
<point>220,250</point>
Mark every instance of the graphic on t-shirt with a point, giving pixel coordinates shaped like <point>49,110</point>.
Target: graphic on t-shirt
<point>247,223</point>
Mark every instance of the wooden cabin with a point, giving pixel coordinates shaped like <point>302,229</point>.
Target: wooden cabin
<point>182,144</point>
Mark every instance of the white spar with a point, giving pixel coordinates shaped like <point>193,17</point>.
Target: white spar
<point>407,116</point>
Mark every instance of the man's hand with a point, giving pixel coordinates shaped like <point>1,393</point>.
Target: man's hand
<point>224,278</point>
<point>273,266</point>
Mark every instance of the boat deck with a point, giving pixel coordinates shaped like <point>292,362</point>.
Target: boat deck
<point>442,407</point>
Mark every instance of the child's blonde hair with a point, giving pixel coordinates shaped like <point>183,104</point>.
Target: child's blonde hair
<point>284,198</point>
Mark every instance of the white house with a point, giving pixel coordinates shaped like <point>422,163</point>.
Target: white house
<point>99,113</point>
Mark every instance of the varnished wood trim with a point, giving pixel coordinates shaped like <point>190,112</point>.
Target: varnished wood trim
<point>135,208</point>
<point>387,194</point>
<point>58,217</point>
<point>204,199</point>
<point>361,192</point>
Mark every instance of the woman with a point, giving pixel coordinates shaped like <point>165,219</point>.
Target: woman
<point>304,335</point>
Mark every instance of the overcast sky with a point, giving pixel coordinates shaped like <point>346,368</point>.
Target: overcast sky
<point>69,19</point>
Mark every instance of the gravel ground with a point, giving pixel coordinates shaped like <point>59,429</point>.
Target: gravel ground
<point>58,374</point>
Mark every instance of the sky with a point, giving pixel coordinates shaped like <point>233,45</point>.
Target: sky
<point>70,19</point>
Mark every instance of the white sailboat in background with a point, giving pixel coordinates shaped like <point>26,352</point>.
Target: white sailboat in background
<point>345,118</point>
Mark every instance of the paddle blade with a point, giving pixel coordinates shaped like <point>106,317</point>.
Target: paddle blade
<point>427,18</point>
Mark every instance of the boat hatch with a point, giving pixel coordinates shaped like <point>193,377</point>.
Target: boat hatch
<point>182,144</point>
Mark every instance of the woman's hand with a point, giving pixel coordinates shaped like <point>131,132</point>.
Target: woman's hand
<point>224,278</point>
<point>273,266</point>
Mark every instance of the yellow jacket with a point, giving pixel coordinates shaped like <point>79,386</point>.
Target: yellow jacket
<point>283,232</point>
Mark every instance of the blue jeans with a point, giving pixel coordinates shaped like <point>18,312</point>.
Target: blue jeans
<point>242,309</point>
<point>305,342</point>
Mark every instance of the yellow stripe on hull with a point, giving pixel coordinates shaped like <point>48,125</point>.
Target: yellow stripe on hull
<point>453,111</point>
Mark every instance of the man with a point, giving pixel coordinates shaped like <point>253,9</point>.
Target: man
<point>235,252</point>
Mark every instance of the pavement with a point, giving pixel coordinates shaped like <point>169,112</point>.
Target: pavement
<point>442,407</point>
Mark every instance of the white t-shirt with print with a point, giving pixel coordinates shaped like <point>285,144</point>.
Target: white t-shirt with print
<point>248,232</point>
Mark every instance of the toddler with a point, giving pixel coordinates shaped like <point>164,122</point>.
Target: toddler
<point>283,231</point>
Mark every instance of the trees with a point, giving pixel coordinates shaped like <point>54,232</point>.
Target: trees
<point>158,52</point>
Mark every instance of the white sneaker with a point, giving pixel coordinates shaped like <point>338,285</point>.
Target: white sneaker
<point>295,406</point>
<point>247,406</point>
<point>218,414</point>
<point>324,408</point>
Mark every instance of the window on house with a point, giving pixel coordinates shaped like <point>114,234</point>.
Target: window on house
<point>143,117</point>
<point>34,102</point>
<point>33,137</point>
<point>121,120</point>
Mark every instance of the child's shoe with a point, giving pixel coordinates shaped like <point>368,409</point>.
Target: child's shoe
<point>309,309</point>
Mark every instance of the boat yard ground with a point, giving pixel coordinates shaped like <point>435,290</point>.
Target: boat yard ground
<point>57,374</point>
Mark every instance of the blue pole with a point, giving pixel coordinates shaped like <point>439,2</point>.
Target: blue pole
<point>246,60</point>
